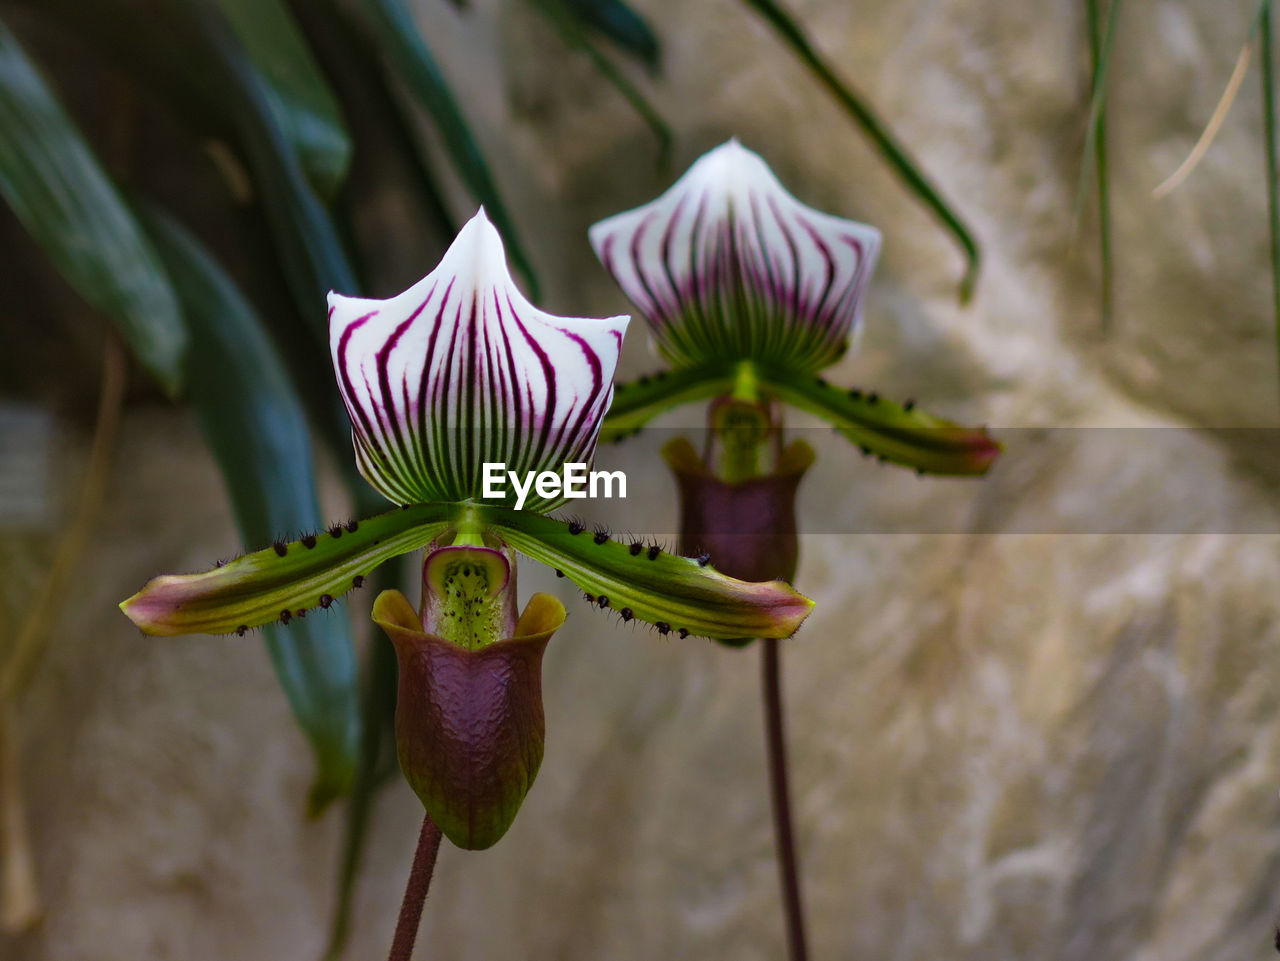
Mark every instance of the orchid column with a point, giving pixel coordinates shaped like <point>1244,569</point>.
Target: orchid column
<point>749,294</point>
<point>457,372</point>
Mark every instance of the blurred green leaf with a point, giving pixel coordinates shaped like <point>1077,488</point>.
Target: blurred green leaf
<point>306,238</point>
<point>215,88</point>
<point>563,18</point>
<point>617,21</point>
<point>205,58</point>
<point>885,142</point>
<point>1266,41</point>
<point>254,424</point>
<point>390,22</point>
<point>1100,44</point>
<point>212,84</point>
<point>374,115</point>
<point>300,101</point>
<point>57,189</point>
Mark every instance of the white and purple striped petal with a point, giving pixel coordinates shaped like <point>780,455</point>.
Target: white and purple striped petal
<point>727,264</point>
<point>461,370</point>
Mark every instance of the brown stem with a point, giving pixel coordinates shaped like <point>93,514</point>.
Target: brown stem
<point>776,749</point>
<point>415,892</point>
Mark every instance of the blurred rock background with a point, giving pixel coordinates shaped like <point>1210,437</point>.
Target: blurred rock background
<point>1049,746</point>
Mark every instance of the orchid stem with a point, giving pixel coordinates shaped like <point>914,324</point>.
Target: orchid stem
<point>415,892</point>
<point>784,838</point>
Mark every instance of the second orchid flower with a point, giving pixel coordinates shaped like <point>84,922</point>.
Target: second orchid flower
<point>750,293</point>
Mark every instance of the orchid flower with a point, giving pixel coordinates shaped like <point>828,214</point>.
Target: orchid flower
<point>458,372</point>
<point>750,292</point>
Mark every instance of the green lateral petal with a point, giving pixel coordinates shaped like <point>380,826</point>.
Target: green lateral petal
<point>392,24</point>
<point>284,581</point>
<point>300,100</point>
<point>55,186</point>
<point>671,592</point>
<point>254,424</point>
<point>897,433</point>
<point>638,402</point>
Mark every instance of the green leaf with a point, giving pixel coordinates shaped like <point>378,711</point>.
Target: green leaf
<point>617,21</point>
<point>299,98</point>
<point>881,136</point>
<point>278,583</point>
<point>1100,44</point>
<point>1266,41</point>
<point>898,433</point>
<point>391,23</point>
<point>62,196</point>
<point>255,427</point>
<point>374,115</point>
<point>306,239</point>
<point>671,592</point>
<point>207,76</point>
<point>562,17</point>
<point>639,401</point>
